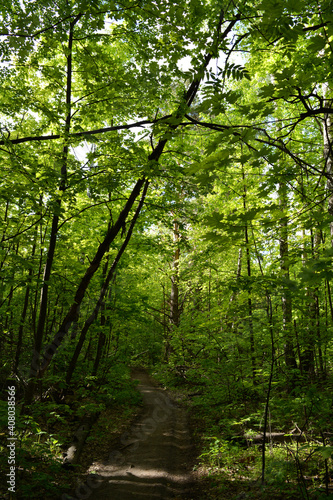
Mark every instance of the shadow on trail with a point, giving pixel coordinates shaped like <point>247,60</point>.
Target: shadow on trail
<point>153,457</point>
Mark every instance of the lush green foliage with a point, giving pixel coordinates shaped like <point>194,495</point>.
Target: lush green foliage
<point>217,117</point>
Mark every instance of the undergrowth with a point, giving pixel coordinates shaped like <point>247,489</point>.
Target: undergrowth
<point>46,428</point>
<point>228,419</point>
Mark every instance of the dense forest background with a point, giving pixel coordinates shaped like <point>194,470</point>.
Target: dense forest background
<point>167,200</point>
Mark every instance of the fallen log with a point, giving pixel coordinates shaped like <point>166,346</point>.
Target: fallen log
<point>276,437</point>
<point>271,438</point>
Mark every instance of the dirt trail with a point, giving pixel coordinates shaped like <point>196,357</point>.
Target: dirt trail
<point>153,458</point>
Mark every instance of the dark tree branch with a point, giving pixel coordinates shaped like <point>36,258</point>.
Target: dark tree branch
<point>26,229</point>
<point>80,134</point>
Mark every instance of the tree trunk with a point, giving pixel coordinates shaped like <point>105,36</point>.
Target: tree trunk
<point>43,303</point>
<point>106,283</point>
<point>313,336</point>
<point>101,342</point>
<point>328,151</point>
<point>38,277</point>
<point>25,309</point>
<point>287,316</point>
<point>249,300</point>
<point>174,295</point>
<point>101,336</point>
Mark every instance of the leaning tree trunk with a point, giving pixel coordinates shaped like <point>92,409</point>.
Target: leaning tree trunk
<point>103,321</point>
<point>104,289</point>
<point>102,336</point>
<point>72,313</point>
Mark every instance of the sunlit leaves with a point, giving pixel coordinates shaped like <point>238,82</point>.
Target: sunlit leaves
<point>236,71</point>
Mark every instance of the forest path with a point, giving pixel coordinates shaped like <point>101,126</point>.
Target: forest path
<point>154,456</point>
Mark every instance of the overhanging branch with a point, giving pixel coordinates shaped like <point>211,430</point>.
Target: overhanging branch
<point>81,134</point>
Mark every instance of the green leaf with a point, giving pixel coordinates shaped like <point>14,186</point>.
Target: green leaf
<point>325,451</point>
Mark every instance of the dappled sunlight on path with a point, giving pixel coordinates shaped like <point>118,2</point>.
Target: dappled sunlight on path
<point>153,456</point>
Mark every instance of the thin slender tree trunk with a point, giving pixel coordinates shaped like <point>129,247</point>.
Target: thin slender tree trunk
<point>250,308</point>
<point>39,274</point>
<point>101,342</point>
<point>101,336</point>
<point>313,335</point>
<point>229,316</point>
<point>269,312</point>
<point>249,300</point>
<point>25,309</point>
<point>328,155</point>
<point>174,295</point>
<point>43,303</point>
<point>287,316</point>
<point>328,150</point>
<point>104,340</point>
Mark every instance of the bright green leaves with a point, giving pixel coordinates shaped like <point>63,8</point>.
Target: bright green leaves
<point>214,161</point>
<point>299,38</point>
<point>229,228</point>
<point>281,19</point>
<point>317,43</point>
<point>236,71</point>
<point>325,451</point>
<point>92,6</point>
<point>318,269</point>
<point>216,102</point>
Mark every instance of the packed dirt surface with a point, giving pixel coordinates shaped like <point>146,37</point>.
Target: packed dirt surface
<point>153,458</point>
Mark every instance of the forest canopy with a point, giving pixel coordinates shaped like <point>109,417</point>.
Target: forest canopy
<point>166,192</point>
